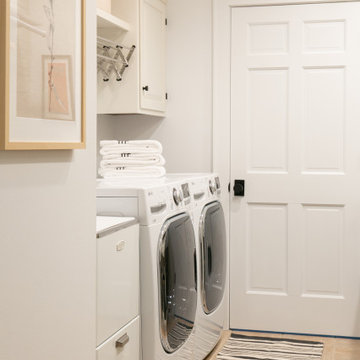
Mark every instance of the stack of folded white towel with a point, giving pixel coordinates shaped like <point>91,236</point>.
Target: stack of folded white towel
<point>135,158</point>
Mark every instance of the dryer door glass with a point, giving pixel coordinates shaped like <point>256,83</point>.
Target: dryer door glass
<point>177,271</point>
<point>212,235</point>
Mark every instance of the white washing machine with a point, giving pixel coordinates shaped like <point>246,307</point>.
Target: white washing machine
<point>168,262</point>
<point>210,231</point>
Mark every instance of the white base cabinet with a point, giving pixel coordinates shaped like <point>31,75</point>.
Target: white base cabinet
<point>118,287</point>
<point>143,87</point>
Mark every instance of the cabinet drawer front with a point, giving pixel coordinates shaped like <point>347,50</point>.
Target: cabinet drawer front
<point>124,345</point>
<point>117,281</point>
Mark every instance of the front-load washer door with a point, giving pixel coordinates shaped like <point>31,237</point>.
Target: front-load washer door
<point>212,234</point>
<point>177,281</point>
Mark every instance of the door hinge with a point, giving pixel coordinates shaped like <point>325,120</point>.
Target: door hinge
<point>166,21</point>
<point>166,96</point>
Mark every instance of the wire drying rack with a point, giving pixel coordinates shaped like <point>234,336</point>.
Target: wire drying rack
<point>112,58</point>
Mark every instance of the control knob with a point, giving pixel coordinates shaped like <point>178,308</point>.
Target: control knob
<point>212,187</point>
<point>177,195</point>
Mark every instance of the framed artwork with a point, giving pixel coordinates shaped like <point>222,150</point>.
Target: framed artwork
<point>42,74</point>
<point>58,99</point>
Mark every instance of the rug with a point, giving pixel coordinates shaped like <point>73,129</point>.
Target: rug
<point>264,348</point>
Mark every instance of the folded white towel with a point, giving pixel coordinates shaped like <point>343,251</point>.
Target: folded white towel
<point>113,161</point>
<point>109,147</point>
<point>133,171</point>
<point>136,156</point>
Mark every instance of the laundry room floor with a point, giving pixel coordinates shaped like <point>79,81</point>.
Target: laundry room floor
<point>334,348</point>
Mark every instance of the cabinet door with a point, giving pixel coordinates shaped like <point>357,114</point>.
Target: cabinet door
<point>153,54</point>
<point>117,281</point>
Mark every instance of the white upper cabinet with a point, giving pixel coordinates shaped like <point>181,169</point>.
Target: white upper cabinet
<point>142,89</point>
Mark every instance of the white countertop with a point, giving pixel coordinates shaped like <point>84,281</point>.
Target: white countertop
<point>105,223</point>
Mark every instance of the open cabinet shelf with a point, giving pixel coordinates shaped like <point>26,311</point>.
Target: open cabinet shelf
<point>108,21</point>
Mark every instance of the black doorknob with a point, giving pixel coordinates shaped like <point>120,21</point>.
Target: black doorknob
<point>239,188</point>
<point>146,88</point>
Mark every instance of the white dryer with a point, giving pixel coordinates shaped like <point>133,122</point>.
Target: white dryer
<point>168,263</point>
<point>210,230</point>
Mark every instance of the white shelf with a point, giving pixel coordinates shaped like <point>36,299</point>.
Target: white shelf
<point>109,21</point>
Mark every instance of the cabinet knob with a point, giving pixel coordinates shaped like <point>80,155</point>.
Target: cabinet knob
<point>120,245</point>
<point>122,341</point>
<point>146,88</point>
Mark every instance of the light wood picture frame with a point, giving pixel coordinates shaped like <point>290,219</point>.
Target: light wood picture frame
<point>42,74</point>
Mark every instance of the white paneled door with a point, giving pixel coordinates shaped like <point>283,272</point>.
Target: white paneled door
<point>295,140</point>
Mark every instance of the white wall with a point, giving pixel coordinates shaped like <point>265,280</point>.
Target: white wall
<point>186,132</point>
<point>47,244</point>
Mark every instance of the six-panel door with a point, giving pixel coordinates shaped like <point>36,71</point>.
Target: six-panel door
<point>295,139</point>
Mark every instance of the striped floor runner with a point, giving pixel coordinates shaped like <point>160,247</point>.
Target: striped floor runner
<point>264,348</point>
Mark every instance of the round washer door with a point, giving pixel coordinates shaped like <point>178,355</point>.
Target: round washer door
<point>212,234</point>
<point>177,281</point>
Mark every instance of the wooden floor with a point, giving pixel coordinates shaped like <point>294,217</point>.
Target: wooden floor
<point>334,349</point>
